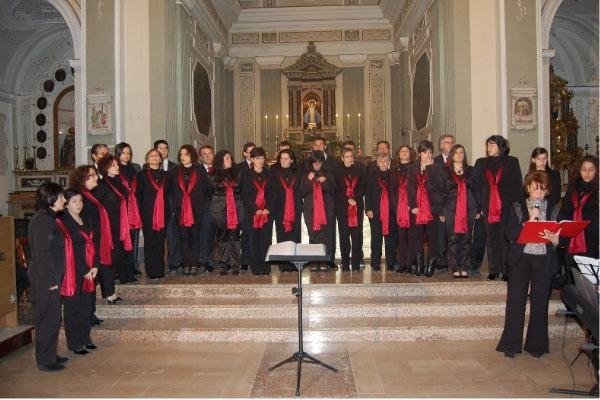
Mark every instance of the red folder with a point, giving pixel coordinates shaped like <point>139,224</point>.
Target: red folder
<point>532,229</point>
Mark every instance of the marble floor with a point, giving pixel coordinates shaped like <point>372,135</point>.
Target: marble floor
<point>240,370</point>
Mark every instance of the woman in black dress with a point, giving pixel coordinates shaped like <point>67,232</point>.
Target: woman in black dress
<point>539,162</point>
<point>287,202</point>
<point>404,218</point>
<point>317,188</point>
<point>190,199</point>
<point>153,191</point>
<point>226,210</point>
<point>257,197</point>
<point>530,269</point>
<point>101,211</point>
<point>128,174</point>
<point>458,210</point>
<point>45,275</point>
<point>580,204</point>
<point>108,167</point>
<point>81,261</point>
<point>349,209</point>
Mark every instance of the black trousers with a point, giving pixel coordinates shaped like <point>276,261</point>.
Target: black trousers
<point>405,256</point>
<point>322,236</point>
<point>259,240</point>
<point>497,247</point>
<point>442,241</point>
<point>189,238</point>
<point>377,240</point>
<point>529,269</point>
<point>173,246</point>
<point>416,240</point>
<point>245,246</point>
<point>135,240</point>
<point>108,273</point>
<point>77,310</point>
<point>351,242</point>
<point>478,244</point>
<point>47,324</point>
<point>459,245</point>
<point>154,252</point>
<point>207,239</point>
<point>294,235</point>
<point>130,257</point>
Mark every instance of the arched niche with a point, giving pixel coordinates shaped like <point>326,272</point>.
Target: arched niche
<point>421,92</point>
<point>202,100</point>
<point>64,129</point>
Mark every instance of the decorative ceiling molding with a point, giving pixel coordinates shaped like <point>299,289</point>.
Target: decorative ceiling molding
<point>208,19</point>
<point>24,15</point>
<point>325,48</point>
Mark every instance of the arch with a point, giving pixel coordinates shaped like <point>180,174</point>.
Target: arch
<point>548,12</point>
<point>73,22</point>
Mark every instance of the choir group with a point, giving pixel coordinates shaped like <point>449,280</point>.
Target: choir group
<point>213,214</point>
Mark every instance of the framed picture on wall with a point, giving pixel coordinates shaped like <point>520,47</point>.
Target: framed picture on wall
<point>99,114</point>
<point>523,108</point>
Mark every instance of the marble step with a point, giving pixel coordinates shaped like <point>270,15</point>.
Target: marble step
<point>462,288</point>
<point>332,330</point>
<point>336,310</point>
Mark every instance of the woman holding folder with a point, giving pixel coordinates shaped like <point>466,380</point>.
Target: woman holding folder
<point>530,263</point>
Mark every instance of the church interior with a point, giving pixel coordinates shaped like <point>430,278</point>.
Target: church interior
<point>74,73</point>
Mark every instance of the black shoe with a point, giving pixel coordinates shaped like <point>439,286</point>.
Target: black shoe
<point>509,354</point>
<point>332,265</point>
<point>504,277</point>
<point>345,268</point>
<point>536,355</point>
<point>430,268</point>
<point>81,352</point>
<point>96,321</point>
<point>356,269</point>
<point>91,346</point>
<point>375,267</point>
<point>223,272</point>
<point>51,367</point>
<point>116,300</point>
<point>137,272</point>
<point>492,277</point>
<point>61,360</point>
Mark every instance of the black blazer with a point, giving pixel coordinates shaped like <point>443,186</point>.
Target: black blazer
<point>341,200</point>
<point>589,211</point>
<point>373,192</point>
<point>450,193</point>
<point>199,195</point>
<point>510,186</point>
<point>146,195</point>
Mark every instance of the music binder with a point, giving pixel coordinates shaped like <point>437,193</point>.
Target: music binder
<point>291,251</point>
<point>532,229</point>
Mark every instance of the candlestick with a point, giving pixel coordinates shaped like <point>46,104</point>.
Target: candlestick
<point>359,132</point>
<point>17,167</point>
<point>34,157</point>
<point>348,125</point>
<point>266,131</point>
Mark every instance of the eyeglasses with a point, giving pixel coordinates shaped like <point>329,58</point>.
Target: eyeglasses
<point>92,175</point>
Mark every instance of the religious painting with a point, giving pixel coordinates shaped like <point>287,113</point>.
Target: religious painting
<point>202,100</point>
<point>99,114</point>
<point>312,112</point>
<point>523,108</point>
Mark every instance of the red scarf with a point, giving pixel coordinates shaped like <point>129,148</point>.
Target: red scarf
<point>232,219</point>
<point>67,288</point>
<point>352,209</point>
<point>158,212</point>
<point>133,212</point>
<point>123,218</point>
<point>495,206</point>
<point>424,215</point>
<point>106,242</point>
<point>319,216</point>
<point>402,216</point>
<point>261,203</point>
<point>384,208</point>
<point>289,209</point>
<point>577,244</point>
<point>90,251</point>
<point>187,215</point>
<point>460,213</point>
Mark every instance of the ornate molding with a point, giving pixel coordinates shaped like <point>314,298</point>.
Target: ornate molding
<point>245,38</point>
<point>4,147</point>
<point>377,99</point>
<point>316,36</point>
<point>376,34</point>
<point>522,10</point>
<point>247,88</point>
<point>311,66</point>
<point>100,10</point>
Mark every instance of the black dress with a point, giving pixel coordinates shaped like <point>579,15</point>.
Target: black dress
<point>78,308</point>
<point>259,234</point>
<point>324,233</point>
<point>510,188</point>
<point>227,252</point>
<point>150,182</point>
<point>350,184</point>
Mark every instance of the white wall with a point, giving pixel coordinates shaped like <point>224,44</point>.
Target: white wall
<point>6,155</point>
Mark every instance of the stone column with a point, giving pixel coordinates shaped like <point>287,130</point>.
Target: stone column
<point>81,156</point>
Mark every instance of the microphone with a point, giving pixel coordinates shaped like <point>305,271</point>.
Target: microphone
<point>537,207</point>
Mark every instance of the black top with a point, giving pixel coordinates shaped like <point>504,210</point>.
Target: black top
<point>434,176</point>
<point>588,211</point>
<point>81,267</point>
<point>510,186</point>
<point>328,188</point>
<point>249,191</point>
<point>341,200</point>
<point>44,240</point>
<point>200,193</point>
<point>331,163</point>
<point>146,194</point>
<point>373,194</point>
<point>450,192</point>
<point>289,176</point>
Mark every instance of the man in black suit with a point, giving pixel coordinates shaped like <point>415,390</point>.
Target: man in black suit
<point>382,148</point>
<point>445,143</point>
<point>206,155</point>
<point>173,248</point>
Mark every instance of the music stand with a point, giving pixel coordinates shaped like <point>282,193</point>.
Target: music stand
<point>582,298</point>
<point>299,255</point>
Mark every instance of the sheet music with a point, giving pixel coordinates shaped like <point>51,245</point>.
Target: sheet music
<point>282,249</point>
<point>310,249</point>
<point>290,251</point>
<point>589,268</point>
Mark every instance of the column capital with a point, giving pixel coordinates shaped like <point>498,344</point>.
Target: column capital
<point>76,65</point>
<point>547,54</point>
<point>352,60</point>
<point>266,62</point>
<point>393,57</point>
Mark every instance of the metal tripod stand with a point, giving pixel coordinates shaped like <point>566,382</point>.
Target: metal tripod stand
<point>300,356</point>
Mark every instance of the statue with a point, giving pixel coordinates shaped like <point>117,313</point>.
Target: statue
<point>312,117</point>
<point>67,151</point>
